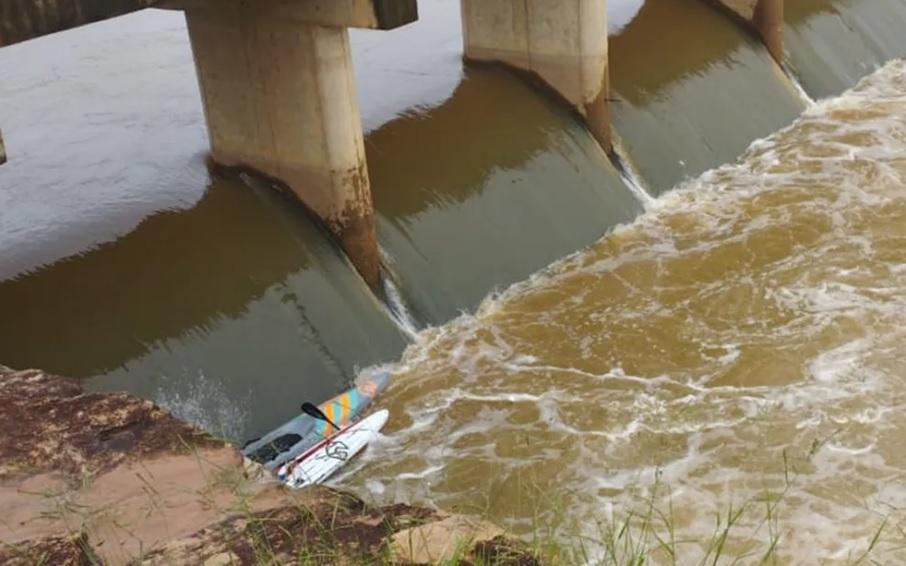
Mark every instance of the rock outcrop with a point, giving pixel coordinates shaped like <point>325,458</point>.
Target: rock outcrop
<point>88,478</point>
<point>48,424</point>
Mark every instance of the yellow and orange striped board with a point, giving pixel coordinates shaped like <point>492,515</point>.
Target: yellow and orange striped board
<point>303,431</point>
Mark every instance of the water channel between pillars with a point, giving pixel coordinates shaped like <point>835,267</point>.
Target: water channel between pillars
<point>692,90</point>
<point>831,44</point>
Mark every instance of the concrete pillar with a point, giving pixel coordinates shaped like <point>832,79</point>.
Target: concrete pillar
<point>279,98</point>
<point>2,150</point>
<point>562,42</point>
<point>768,21</point>
<point>764,16</point>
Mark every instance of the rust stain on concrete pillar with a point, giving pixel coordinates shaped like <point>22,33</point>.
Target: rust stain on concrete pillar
<point>768,19</point>
<point>764,17</point>
<point>354,227</point>
<point>279,98</point>
<point>597,115</point>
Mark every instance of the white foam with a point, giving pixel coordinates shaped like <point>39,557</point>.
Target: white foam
<point>834,365</point>
<point>204,403</point>
<point>429,471</point>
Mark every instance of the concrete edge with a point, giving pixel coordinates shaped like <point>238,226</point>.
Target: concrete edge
<point>392,14</point>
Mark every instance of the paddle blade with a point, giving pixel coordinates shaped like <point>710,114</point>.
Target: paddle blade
<point>314,411</point>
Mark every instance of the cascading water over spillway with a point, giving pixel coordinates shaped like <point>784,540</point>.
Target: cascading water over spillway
<point>691,90</point>
<point>831,44</point>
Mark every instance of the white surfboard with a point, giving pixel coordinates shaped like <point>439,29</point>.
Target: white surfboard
<point>325,458</point>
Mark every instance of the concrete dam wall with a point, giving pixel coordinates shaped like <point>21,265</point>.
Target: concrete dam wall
<point>194,288</point>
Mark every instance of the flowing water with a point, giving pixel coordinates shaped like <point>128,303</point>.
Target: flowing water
<point>673,121</point>
<point>744,336</point>
<point>462,171</point>
<point>831,44</point>
<point>480,212</point>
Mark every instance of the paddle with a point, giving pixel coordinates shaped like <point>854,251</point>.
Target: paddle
<point>317,413</point>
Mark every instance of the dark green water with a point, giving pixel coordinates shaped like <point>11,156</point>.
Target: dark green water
<point>485,189</point>
<point>692,91</point>
<point>235,304</point>
<point>831,44</point>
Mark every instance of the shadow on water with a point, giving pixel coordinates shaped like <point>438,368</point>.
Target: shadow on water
<point>692,90</point>
<point>831,44</point>
<point>488,187</point>
<point>204,305</point>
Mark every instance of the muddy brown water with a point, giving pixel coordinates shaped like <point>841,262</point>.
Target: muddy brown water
<point>743,337</point>
<point>743,330</point>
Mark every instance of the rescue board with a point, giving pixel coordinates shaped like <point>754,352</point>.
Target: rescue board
<point>297,436</point>
<point>325,458</point>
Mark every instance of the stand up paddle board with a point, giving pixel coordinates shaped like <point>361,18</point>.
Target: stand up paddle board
<point>324,459</point>
<point>302,432</point>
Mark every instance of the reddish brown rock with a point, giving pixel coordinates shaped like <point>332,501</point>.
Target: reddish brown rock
<point>56,551</point>
<point>49,424</point>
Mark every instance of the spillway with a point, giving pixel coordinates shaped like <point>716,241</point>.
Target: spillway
<point>226,303</point>
<point>694,337</point>
<point>485,189</point>
<point>478,180</point>
<point>691,89</point>
<point>831,44</point>
<point>189,311</point>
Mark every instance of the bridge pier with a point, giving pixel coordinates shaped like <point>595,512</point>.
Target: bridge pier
<point>768,20</point>
<point>765,17</point>
<point>279,98</point>
<point>561,42</point>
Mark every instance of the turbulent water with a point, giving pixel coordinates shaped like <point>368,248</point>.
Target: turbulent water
<point>741,341</point>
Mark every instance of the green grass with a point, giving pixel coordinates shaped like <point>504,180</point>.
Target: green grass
<point>644,528</point>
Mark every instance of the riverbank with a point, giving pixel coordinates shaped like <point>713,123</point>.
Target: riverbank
<point>89,478</point>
